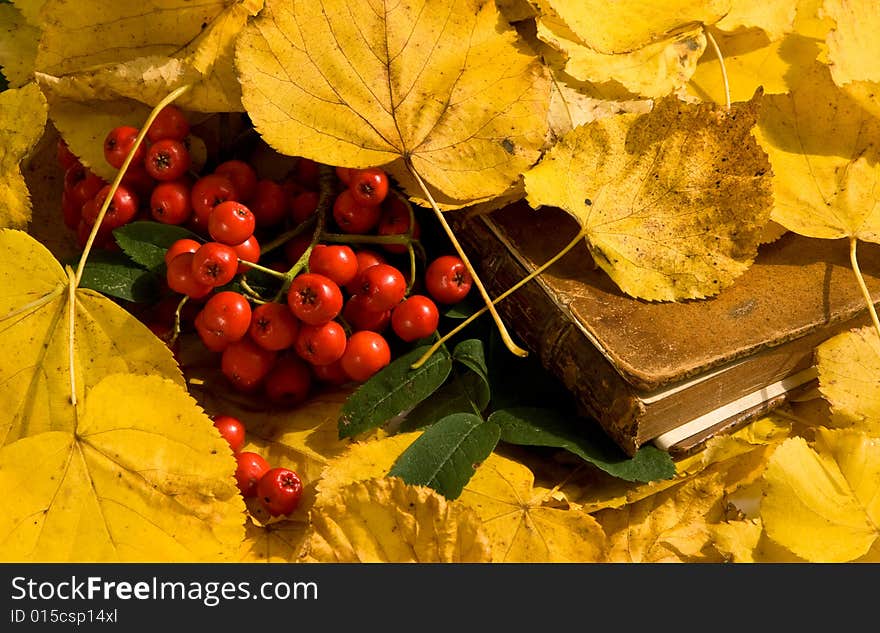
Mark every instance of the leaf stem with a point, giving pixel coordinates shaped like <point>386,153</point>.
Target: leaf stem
<point>717,50</point>
<point>35,304</point>
<point>71,320</point>
<point>853,241</point>
<point>502,329</point>
<point>120,175</point>
<point>500,297</point>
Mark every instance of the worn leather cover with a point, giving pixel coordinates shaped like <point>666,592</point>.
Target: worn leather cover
<point>614,352</point>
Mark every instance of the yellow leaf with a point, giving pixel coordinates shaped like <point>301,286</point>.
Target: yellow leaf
<point>274,543</point>
<point>516,10</point>
<point>145,477</point>
<point>520,526</point>
<point>364,460</point>
<point>618,27</point>
<point>385,520</point>
<point>654,70</point>
<point>446,89</point>
<point>22,119</point>
<point>823,504</point>
<point>671,526</point>
<point>571,105</point>
<point>825,160</point>
<point>751,61</point>
<point>84,126</point>
<point>773,17</point>
<point>853,50</point>
<point>754,59</point>
<point>849,378</point>
<point>110,50</point>
<point>853,47</point>
<point>672,203</point>
<point>35,368</point>
<point>18,45</point>
<point>737,540</point>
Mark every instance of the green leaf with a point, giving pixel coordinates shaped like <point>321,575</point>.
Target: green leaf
<point>393,390</point>
<point>447,454</point>
<point>463,309</point>
<point>470,354</point>
<point>146,242</point>
<point>462,394</point>
<point>115,275</point>
<point>547,427</point>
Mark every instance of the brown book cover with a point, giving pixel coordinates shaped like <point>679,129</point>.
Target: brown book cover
<point>643,369</point>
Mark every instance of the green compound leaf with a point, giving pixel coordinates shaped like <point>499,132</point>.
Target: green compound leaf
<point>531,426</point>
<point>471,354</point>
<point>146,242</point>
<point>393,390</point>
<point>447,454</point>
<point>115,275</point>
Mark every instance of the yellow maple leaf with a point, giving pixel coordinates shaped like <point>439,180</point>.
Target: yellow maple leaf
<point>444,90</point>
<point>823,503</point>
<point>849,366</point>
<point>18,45</point>
<point>519,518</point>
<point>38,367</point>
<point>386,520</point>
<point>670,526</point>
<point>672,203</point>
<point>152,484</point>
<point>823,151</point>
<point>520,523</point>
<point>22,119</point>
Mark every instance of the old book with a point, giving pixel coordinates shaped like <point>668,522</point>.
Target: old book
<point>669,373</point>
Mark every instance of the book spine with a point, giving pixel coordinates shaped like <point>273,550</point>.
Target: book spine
<point>543,324</point>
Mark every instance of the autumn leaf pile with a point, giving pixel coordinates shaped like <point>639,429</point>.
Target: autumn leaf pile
<point>676,166</point>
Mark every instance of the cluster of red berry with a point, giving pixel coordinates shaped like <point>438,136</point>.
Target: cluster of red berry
<point>277,489</point>
<point>340,291</point>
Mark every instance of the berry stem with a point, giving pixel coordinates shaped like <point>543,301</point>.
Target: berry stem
<point>285,237</point>
<point>442,340</point>
<point>853,241</point>
<point>346,238</point>
<point>502,329</point>
<point>717,50</point>
<point>326,190</point>
<point>120,175</point>
<point>412,268</point>
<point>263,269</point>
<point>176,332</point>
<point>253,295</point>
